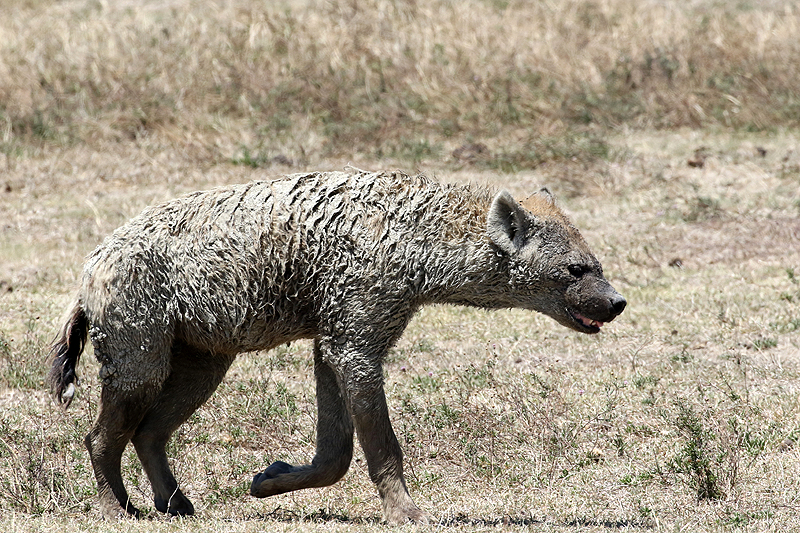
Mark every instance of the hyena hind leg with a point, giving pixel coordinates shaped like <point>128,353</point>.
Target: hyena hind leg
<point>121,411</point>
<point>194,377</point>
<point>334,442</point>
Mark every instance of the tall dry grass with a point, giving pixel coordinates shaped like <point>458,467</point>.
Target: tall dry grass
<point>390,77</point>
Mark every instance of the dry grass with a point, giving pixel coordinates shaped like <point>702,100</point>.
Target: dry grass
<point>248,80</point>
<point>683,415</point>
<point>507,420</point>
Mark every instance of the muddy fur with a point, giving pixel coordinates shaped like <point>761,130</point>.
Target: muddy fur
<point>345,258</point>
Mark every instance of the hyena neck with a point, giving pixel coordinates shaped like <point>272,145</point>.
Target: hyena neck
<point>472,273</point>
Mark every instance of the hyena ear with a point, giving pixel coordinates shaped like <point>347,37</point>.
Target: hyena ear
<point>507,222</point>
<point>545,193</point>
<point>541,198</point>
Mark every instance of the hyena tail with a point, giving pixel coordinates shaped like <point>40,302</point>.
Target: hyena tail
<point>65,353</point>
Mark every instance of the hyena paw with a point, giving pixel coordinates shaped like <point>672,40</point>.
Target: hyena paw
<point>404,514</point>
<point>114,512</point>
<point>267,483</point>
<point>177,505</point>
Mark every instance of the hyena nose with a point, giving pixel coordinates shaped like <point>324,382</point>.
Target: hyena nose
<point>618,304</point>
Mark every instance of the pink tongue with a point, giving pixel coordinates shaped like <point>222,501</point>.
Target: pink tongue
<point>588,322</point>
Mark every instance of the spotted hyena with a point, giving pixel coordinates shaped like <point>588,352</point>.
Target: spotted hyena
<point>345,258</point>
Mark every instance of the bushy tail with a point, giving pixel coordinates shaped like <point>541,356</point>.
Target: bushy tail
<point>65,353</point>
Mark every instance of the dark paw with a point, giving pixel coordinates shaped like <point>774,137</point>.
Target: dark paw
<point>276,469</point>
<point>262,485</point>
<point>178,505</point>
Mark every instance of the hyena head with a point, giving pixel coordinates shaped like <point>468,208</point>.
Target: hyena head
<point>551,268</point>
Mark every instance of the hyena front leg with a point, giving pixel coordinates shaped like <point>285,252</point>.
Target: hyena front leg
<point>383,453</point>
<point>362,379</point>
<point>334,442</point>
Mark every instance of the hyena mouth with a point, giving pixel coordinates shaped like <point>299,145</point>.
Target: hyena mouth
<point>589,325</point>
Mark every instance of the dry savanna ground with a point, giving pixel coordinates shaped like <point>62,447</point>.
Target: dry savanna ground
<point>667,130</point>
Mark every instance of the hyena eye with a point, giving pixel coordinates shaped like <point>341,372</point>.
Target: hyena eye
<point>577,270</point>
